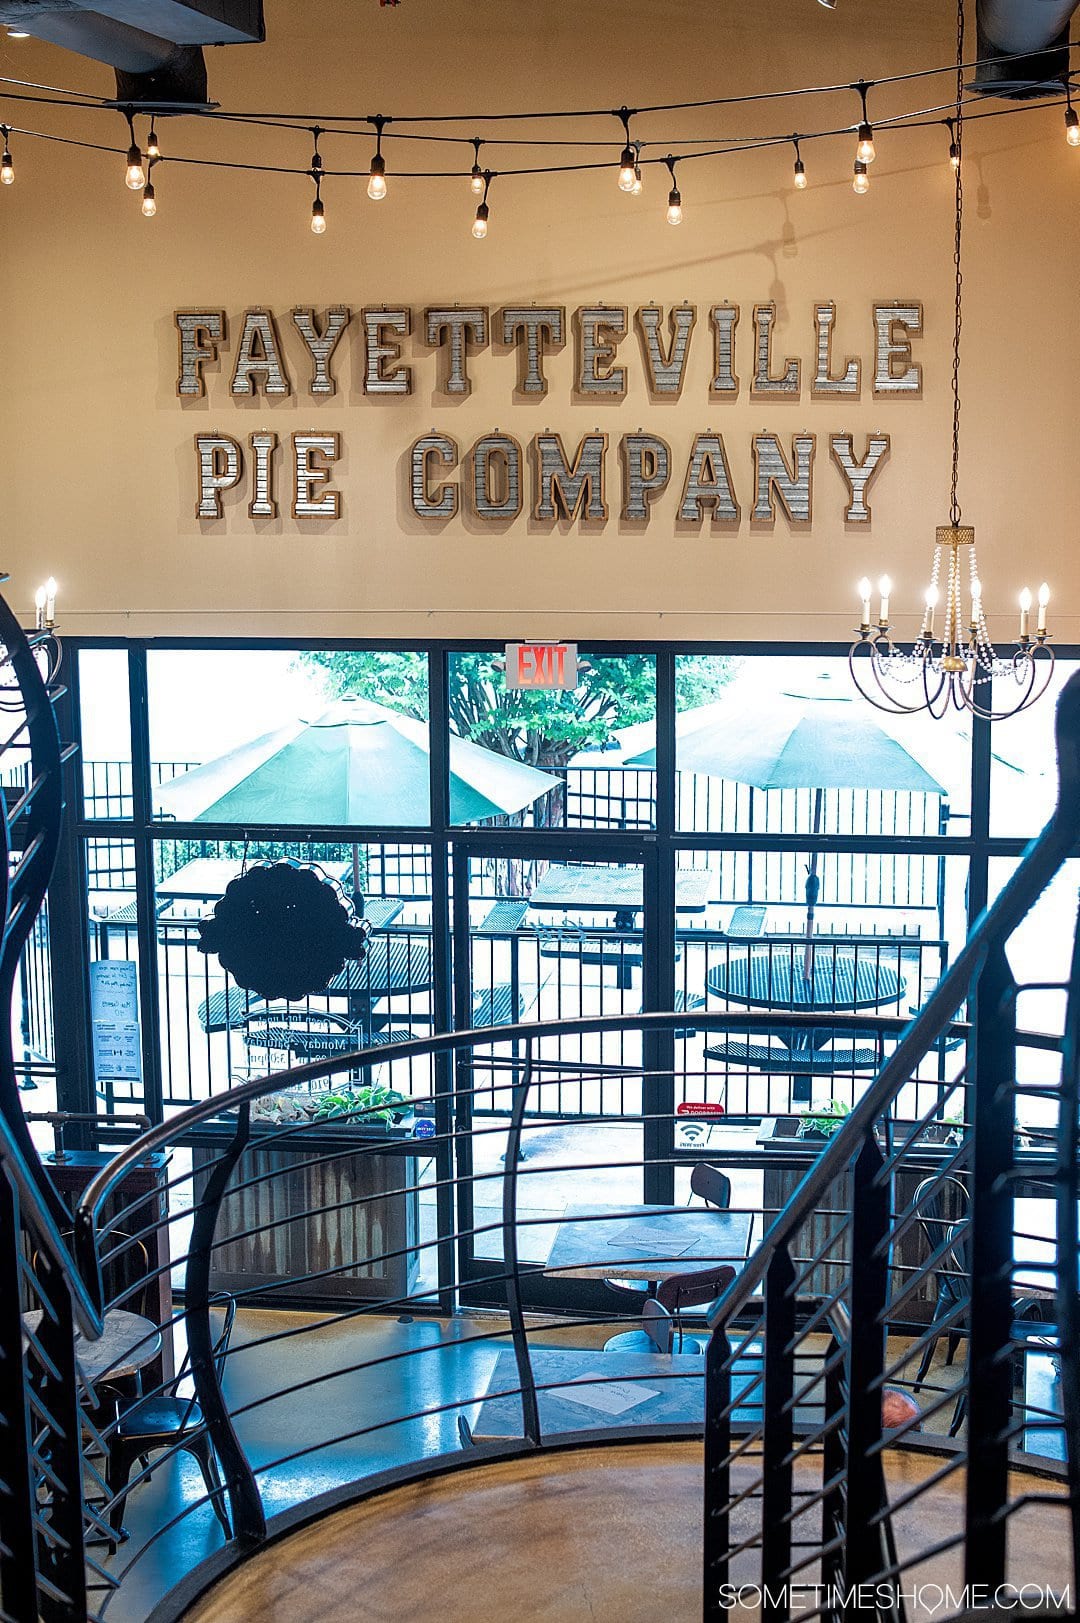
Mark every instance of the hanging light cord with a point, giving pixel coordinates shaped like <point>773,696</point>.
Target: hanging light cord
<point>958,314</point>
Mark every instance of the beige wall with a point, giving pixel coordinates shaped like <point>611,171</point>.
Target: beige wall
<point>99,470</point>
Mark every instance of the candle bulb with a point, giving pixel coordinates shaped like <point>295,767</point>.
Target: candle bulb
<point>976,602</point>
<point>1044,598</point>
<point>1025,610</point>
<point>931,600</point>
<point>863,590</point>
<point>50,602</point>
<point>884,586</point>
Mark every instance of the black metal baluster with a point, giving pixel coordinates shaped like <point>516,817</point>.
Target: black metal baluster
<point>717,1537</point>
<point>832,1473</point>
<point>18,1588</point>
<point>993,1075</point>
<point>61,1556</point>
<point>245,1503</point>
<point>777,1435</point>
<point>865,1362</point>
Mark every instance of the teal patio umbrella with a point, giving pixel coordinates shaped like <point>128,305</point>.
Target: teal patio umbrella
<point>792,741</point>
<point>358,763</point>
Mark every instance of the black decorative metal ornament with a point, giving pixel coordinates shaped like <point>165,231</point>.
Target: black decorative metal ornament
<point>283,931</point>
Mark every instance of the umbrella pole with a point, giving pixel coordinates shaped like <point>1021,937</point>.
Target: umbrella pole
<point>358,900</point>
<point>813,887</point>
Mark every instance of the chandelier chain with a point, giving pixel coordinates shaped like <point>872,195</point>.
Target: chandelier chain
<point>954,503</point>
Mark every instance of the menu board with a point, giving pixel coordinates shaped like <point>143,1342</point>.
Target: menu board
<point>114,1017</point>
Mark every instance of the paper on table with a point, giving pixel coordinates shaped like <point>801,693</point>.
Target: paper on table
<point>641,1235</point>
<point>611,1397</point>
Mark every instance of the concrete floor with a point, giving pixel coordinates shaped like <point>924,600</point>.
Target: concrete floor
<point>608,1535</point>
<point>360,1386</point>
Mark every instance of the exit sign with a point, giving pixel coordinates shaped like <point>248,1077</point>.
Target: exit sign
<point>541,665</point>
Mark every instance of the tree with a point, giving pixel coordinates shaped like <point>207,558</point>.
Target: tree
<point>544,729</point>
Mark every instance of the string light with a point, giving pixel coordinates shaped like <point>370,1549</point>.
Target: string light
<point>800,167</point>
<point>628,165</point>
<point>376,186</point>
<point>149,200</point>
<point>639,184</point>
<point>860,180</point>
<point>135,175</point>
<point>480,223</point>
<point>866,152</point>
<point>7,167</point>
<point>153,151</point>
<point>476,177</point>
<point>954,150</point>
<point>674,200</point>
<point>1072,123</point>
<point>318,212</point>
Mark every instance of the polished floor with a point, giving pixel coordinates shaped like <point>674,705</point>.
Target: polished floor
<point>319,1405</point>
<point>607,1535</point>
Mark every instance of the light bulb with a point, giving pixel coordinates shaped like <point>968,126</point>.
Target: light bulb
<point>152,148</point>
<point>7,169</point>
<point>626,170</point>
<point>976,595</point>
<point>480,224</point>
<point>954,154</point>
<point>931,597</point>
<point>800,175</point>
<point>1072,127</point>
<point>135,178</point>
<point>318,217</point>
<point>149,201</point>
<point>861,180</point>
<point>674,207</point>
<point>1025,599</point>
<point>476,180</point>
<point>639,184</point>
<point>866,150</point>
<point>376,186</point>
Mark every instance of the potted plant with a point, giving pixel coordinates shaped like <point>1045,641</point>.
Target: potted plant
<point>372,1108</point>
<point>825,1122</point>
<point>312,1154</point>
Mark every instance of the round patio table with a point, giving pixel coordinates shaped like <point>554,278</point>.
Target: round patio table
<point>773,978</point>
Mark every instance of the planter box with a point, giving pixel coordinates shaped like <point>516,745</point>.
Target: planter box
<point>311,1214</point>
<point>794,1157</point>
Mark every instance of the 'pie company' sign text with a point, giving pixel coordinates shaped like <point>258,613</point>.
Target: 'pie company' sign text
<point>710,476</point>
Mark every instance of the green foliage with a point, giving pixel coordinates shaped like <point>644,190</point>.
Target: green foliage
<point>543,729</point>
<point>826,1121</point>
<point>359,1105</point>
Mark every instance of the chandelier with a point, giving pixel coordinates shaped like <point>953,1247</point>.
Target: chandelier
<point>957,668</point>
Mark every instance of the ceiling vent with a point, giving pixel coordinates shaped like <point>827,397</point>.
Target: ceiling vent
<point>154,45</point>
<point>1023,47</point>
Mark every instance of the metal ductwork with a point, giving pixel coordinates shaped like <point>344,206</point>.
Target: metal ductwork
<point>1023,46</point>
<point>154,45</point>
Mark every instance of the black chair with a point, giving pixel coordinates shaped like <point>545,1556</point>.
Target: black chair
<point>711,1185</point>
<point>656,1335</point>
<point>661,1317</point>
<point>941,1202</point>
<point>169,1421</point>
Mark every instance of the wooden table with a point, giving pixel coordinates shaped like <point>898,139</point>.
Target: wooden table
<point>127,1343</point>
<point>646,1242</point>
<point>607,888</point>
<point>659,1389</point>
